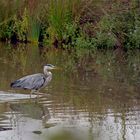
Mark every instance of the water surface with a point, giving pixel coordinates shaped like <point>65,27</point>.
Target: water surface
<point>94,96</point>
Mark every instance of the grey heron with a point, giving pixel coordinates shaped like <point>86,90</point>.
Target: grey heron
<point>34,82</point>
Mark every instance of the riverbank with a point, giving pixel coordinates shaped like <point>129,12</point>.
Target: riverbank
<point>72,24</point>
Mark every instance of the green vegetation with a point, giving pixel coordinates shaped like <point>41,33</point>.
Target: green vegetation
<point>76,24</point>
<point>15,29</point>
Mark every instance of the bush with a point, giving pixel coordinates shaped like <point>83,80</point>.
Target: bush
<point>133,38</point>
<point>15,29</point>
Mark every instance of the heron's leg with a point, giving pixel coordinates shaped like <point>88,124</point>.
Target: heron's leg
<point>37,96</point>
<point>37,92</point>
<point>32,91</point>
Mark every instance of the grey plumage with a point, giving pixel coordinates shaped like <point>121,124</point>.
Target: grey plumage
<point>35,81</point>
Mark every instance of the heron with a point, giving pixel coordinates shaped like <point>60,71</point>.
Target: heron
<point>35,82</point>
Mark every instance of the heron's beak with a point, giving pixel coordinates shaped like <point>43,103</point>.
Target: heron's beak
<point>56,68</point>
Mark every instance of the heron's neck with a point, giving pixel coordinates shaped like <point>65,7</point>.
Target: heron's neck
<point>47,73</point>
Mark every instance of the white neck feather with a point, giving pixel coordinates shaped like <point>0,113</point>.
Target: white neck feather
<point>46,72</point>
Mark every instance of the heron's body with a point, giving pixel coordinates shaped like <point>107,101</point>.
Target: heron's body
<point>35,81</point>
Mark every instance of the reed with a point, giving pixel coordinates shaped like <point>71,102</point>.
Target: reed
<point>59,15</point>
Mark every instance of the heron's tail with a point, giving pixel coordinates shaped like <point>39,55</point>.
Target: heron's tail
<point>15,84</point>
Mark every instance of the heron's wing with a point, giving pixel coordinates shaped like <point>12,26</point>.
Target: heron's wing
<point>34,81</point>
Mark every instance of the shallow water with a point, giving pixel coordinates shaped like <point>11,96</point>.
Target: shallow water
<point>94,96</point>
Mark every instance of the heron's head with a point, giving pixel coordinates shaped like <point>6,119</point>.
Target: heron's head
<point>49,67</point>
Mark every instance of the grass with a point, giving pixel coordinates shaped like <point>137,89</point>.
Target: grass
<point>72,24</point>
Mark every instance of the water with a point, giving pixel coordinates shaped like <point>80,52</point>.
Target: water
<point>94,96</point>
